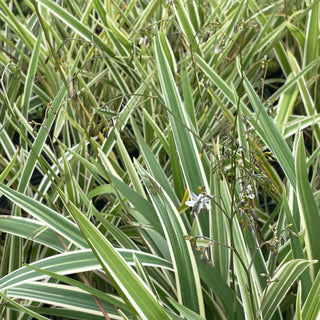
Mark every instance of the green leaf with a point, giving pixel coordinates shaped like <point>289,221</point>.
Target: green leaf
<point>285,107</point>
<point>184,139</point>
<point>212,278</point>
<point>129,166</point>
<point>9,167</point>
<point>308,207</point>
<point>297,249</point>
<point>31,75</point>
<point>74,262</point>
<point>111,300</point>
<point>186,24</point>
<point>153,164</point>
<point>132,289</point>
<point>32,230</point>
<point>185,268</point>
<point>22,308</point>
<point>311,48</point>
<point>270,134</point>
<point>311,307</point>
<point>300,123</point>
<point>49,217</point>
<point>187,313</point>
<point>308,102</point>
<point>298,303</point>
<point>282,280</point>
<point>64,296</point>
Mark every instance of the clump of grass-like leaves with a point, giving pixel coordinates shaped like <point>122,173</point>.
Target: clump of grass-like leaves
<point>159,159</point>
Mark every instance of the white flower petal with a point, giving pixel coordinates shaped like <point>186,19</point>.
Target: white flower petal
<point>193,196</point>
<point>143,40</point>
<point>200,202</point>
<point>190,203</point>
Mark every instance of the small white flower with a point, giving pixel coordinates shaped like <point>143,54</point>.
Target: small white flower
<point>247,193</point>
<point>143,40</point>
<point>198,203</point>
<point>217,49</point>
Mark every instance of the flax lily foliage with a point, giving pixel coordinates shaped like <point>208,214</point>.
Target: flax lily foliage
<point>159,159</point>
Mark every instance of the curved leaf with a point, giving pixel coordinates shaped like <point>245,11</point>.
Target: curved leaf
<point>281,282</point>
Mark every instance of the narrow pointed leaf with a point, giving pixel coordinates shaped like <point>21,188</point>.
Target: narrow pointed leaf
<point>311,307</point>
<point>187,149</point>
<point>75,262</point>
<point>186,271</point>
<point>282,281</point>
<point>271,135</point>
<point>132,289</point>
<point>49,217</point>
<point>309,210</point>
